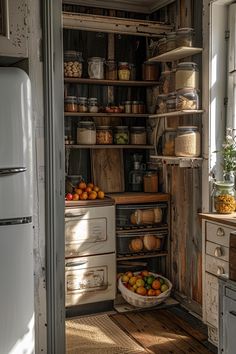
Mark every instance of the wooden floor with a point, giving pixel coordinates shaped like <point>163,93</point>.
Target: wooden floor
<point>171,331</point>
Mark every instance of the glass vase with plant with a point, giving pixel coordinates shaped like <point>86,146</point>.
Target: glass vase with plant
<point>228,153</point>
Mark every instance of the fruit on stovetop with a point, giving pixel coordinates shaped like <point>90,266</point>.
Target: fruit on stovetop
<point>143,283</point>
<point>84,191</point>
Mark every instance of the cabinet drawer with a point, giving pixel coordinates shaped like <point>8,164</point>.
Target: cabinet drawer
<point>218,251</point>
<point>216,266</point>
<point>218,233</point>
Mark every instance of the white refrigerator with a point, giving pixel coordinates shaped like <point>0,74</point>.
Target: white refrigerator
<point>16,210</point>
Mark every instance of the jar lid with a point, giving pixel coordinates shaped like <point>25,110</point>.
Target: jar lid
<point>150,173</point>
<point>70,98</point>
<point>104,127</point>
<point>186,63</point>
<point>138,129</point>
<point>92,99</point>
<point>86,123</point>
<point>82,99</point>
<point>223,184</point>
<point>96,59</point>
<point>184,30</point>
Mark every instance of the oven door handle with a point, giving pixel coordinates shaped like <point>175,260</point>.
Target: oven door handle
<point>72,216</point>
<point>75,264</point>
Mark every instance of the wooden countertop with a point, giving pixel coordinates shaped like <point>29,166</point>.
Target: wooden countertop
<point>136,198</point>
<point>226,219</point>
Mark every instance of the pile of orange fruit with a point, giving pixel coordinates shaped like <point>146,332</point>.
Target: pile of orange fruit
<point>143,283</point>
<point>84,191</point>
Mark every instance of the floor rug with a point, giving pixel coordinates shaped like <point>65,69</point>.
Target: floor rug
<point>98,335</point>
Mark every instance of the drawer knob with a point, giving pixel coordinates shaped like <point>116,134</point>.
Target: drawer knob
<point>220,232</point>
<point>220,270</point>
<point>218,252</point>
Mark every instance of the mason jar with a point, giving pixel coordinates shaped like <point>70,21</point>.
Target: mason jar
<point>93,105</point>
<point>187,142</point>
<point>150,71</point>
<point>187,99</point>
<point>70,104</point>
<point>86,133</point>
<point>82,106</point>
<point>73,64</point>
<point>110,70</point>
<point>168,142</point>
<point>123,71</point>
<point>138,136</point>
<point>187,76</point>
<point>223,197</point>
<point>104,135</point>
<point>121,135</point>
<point>96,68</point>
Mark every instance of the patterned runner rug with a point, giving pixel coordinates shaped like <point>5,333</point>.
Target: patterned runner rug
<point>98,335</point>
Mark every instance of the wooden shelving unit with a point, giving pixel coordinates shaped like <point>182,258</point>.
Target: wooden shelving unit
<point>174,160</point>
<point>110,82</point>
<point>142,256</point>
<point>124,115</point>
<point>139,198</point>
<point>114,146</point>
<point>176,113</point>
<point>176,54</point>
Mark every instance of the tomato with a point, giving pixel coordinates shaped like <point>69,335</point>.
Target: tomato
<point>69,196</point>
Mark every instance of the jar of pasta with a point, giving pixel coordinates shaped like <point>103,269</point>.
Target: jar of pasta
<point>123,71</point>
<point>224,197</point>
<point>187,99</point>
<point>73,64</point>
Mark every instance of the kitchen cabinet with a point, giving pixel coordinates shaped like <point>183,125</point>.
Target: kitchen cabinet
<point>216,229</point>
<point>13,30</point>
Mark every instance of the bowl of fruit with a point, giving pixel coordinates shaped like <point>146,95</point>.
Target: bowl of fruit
<point>144,289</point>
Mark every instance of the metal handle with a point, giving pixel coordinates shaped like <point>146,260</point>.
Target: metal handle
<point>233,313</point>
<point>74,264</point>
<point>220,232</point>
<point>70,215</point>
<point>11,170</point>
<point>218,252</point>
<point>220,270</point>
<point>5,26</point>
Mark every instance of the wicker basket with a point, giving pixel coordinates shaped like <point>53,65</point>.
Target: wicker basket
<point>144,301</point>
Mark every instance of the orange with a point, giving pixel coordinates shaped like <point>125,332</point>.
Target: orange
<point>141,290</point>
<point>88,189</point>
<point>158,292</point>
<point>156,284</point>
<point>82,185</point>
<point>90,185</point>
<point>96,188</point>
<point>75,196</point>
<point>83,196</point>
<point>78,191</point>
<point>151,292</point>
<point>92,195</point>
<point>145,273</point>
<point>129,274</point>
<point>101,194</point>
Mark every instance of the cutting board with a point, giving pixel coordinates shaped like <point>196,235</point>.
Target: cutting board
<point>108,169</point>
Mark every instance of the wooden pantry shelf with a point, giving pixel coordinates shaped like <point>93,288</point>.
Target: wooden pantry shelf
<point>177,113</point>
<point>113,146</point>
<point>176,54</point>
<point>141,256</point>
<point>110,82</point>
<point>131,115</point>
<point>136,198</point>
<point>191,162</point>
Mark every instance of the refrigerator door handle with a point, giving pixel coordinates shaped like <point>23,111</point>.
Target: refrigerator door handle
<point>16,221</point>
<point>11,170</point>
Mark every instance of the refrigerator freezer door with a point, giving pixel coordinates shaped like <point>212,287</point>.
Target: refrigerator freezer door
<point>16,289</point>
<point>16,144</point>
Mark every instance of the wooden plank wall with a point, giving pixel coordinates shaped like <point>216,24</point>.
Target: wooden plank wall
<point>184,185</point>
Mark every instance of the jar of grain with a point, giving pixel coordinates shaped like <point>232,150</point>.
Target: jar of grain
<point>150,71</point>
<point>187,75</point>
<point>135,107</point>
<point>165,82</point>
<point>104,135</point>
<point>93,105</point>
<point>187,99</point>
<point>184,37</point>
<point>150,182</point>
<point>162,46</point>
<point>161,104</point>
<point>187,141</point>
<point>138,136</point>
<point>171,102</point>
<point>223,196</point>
<point>70,104</point>
<point>168,142</point>
<point>170,41</point>
<point>110,70</point>
<point>86,133</point>
<point>128,107</point>
<point>121,135</point>
<point>73,64</point>
<point>82,106</point>
<point>96,68</point>
<point>123,71</point>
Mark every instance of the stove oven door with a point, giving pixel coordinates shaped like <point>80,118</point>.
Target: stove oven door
<point>89,231</point>
<point>90,279</point>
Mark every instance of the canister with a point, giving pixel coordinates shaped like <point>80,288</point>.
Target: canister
<point>86,133</point>
<point>96,68</point>
<point>70,103</point>
<point>150,182</point>
<point>187,76</point>
<point>187,141</point>
<point>73,64</point>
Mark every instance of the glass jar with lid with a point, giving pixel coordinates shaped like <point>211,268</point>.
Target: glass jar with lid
<point>187,99</point>
<point>73,64</point>
<point>104,135</point>
<point>150,182</point>
<point>150,71</point>
<point>171,102</point>
<point>187,75</point>
<point>161,104</point>
<point>168,142</point>
<point>162,45</point>
<point>223,197</point>
<point>187,141</point>
<point>121,135</point>
<point>128,107</point>
<point>165,82</point>
<point>170,41</point>
<point>138,136</point>
<point>70,104</point>
<point>82,106</point>
<point>123,71</point>
<point>110,70</point>
<point>184,37</point>
<point>96,68</point>
<point>135,107</point>
<point>93,105</point>
<point>86,133</point>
